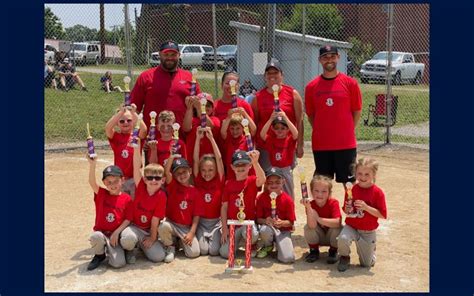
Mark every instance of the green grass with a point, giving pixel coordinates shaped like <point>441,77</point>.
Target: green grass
<point>66,113</point>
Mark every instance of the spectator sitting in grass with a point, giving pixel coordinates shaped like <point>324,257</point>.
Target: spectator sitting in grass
<point>49,76</point>
<point>106,82</point>
<point>68,76</point>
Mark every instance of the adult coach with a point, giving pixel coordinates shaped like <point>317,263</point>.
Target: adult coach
<point>164,87</point>
<point>333,104</point>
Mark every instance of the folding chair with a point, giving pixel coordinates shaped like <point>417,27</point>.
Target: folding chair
<point>378,111</point>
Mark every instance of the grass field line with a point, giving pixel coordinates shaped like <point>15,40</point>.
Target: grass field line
<point>76,158</point>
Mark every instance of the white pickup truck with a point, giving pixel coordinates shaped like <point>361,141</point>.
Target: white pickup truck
<point>404,68</point>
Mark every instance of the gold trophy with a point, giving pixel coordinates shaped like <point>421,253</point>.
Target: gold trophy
<point>233,93</point>
<point>126,90</point>
<point>248,137</point>
<point>193,82</point>
<point>349,205</point>
<point>203,102</point>
<point>241,214</point>
<point>136,129</point>
<point>275,89</point>
<point>90,144</point>
<point>152,131</point>
<point>176,127</point>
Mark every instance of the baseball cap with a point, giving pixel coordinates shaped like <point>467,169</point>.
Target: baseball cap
<point>169,45</point>
<point>273,64</point>
<point>327,49</point>
<point>279,119</point>
<point>207,96</point>
<point>66,60</point>
<point>179,163</point>
<point>274,171</point>
<point>240,157</point>
<point>112,170</point>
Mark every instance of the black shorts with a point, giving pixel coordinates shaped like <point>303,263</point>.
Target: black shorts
<point>337,162</point>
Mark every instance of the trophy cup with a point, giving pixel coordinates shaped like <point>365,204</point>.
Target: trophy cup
<point>203,102</point>
<point>176,127</point>
<point>152,132</point>
<point>304,187</point>
<point>349,204</point>
<point>193,82</point>
<point>136,129</point>
<point>248,137</point>
<point>90,144</point>
<point>275,89</point>
<point>273,204</point>
<point>247,268</point>
<point>126,90</point>
<point>233,92</point>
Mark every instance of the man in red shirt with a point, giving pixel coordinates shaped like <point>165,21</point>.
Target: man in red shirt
<point>333,104</point>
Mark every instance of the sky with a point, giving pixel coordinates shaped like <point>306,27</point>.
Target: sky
<point>88,14</point>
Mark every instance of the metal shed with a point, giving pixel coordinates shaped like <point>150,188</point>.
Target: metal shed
<point>288,50</point>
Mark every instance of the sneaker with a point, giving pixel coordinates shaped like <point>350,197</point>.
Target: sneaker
<point>84,88</point>
<point>343,263</point>
<point>332,256</point>
<point>312,256</point>
<point>170,252</point>
<point>130,256</point>
<point>96,262</point>
<point>263,252</point>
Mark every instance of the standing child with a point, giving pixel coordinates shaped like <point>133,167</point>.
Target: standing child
<point>149,207</point>
<point>276,224</point>
<point>243,188</point>
<point>281,146</point>
<point>160,150</point>
<point>182,212</point>
<point>323,219</point>
<point>106,82</point>
<point>119,131</point>
<point>369,201</point>
<point>113,213</point>
<point>232,132</point>
<point>209,181</point>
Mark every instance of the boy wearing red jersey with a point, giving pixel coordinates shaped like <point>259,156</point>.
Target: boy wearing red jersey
<point>119,130</point>
<point>276,223</point>
<point>323,219</point>
<point>182,211</point>
<point>242,189</point>
<point>149,208</point>
<point>113,213</point>
<point>280,144</point>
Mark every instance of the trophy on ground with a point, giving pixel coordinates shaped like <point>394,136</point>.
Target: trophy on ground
<point>233,93</point>
<point>248,137</point>
<point>231,267</point>
<point>193,82</point>
<point>152,132</point>
<point>276,99</point>
<point>126,91</point>
<point>90,144</point>
<point>136,129</point>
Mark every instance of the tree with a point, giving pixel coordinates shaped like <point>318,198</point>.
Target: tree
<point>359,53</point>
<point>322,20</point>
<point>53,27</point>
<point>80,33</point>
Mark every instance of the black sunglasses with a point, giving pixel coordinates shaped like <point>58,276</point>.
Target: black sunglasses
<point>150,178</point>
<point>122,121</point>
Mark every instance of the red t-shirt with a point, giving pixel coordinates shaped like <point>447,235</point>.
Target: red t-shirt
<point>231,195</point>
<point>221,109</point>
<point>230,146</point>
<point>329,210</point>
<point>205,146</point>
<point>123,152</point>
<point>147,206</point>
<point>329,104</point>
<point>266,105</point>
<point>111,210</point>
<point>181,205</point>
<point>374,197</point>
<point>163,150</point>
<point>159,90</point>
<point>210,196</point>
<point>281,151</point>
<point>285,208</point>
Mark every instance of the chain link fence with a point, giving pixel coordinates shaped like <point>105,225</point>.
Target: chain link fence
<point>368,36</point>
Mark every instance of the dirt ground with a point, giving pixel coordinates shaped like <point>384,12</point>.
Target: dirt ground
<point>402,247</point>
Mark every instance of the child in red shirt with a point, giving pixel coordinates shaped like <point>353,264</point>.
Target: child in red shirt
<point>160,150</point>
<point>182,211</point>
<point>369,203</point>
<point>276,223</point>
<point>280,143</point>
<point>323,219</point>
<point>119,131</point>
<point>242,189</point>
<point>149,208</point>
<point>209,181</point>
<point>113,213</point>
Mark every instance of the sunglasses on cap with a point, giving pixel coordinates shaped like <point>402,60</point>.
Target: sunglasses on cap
<point>122,121</point>
<point>150,178</point>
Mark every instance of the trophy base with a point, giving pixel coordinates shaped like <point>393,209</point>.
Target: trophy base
<point>239,269</point>
<point>92,156</point>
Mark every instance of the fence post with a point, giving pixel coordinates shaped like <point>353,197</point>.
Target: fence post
<point>388,96</point>
<point>128,45</point>
<point>303,49</point>
<point>214,39</point>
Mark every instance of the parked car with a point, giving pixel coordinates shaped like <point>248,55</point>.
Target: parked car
<point>49,53</point>
<point>404,68</point>
<point>226,58</point>
<point>190,55</point>
<point>85,52</point>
